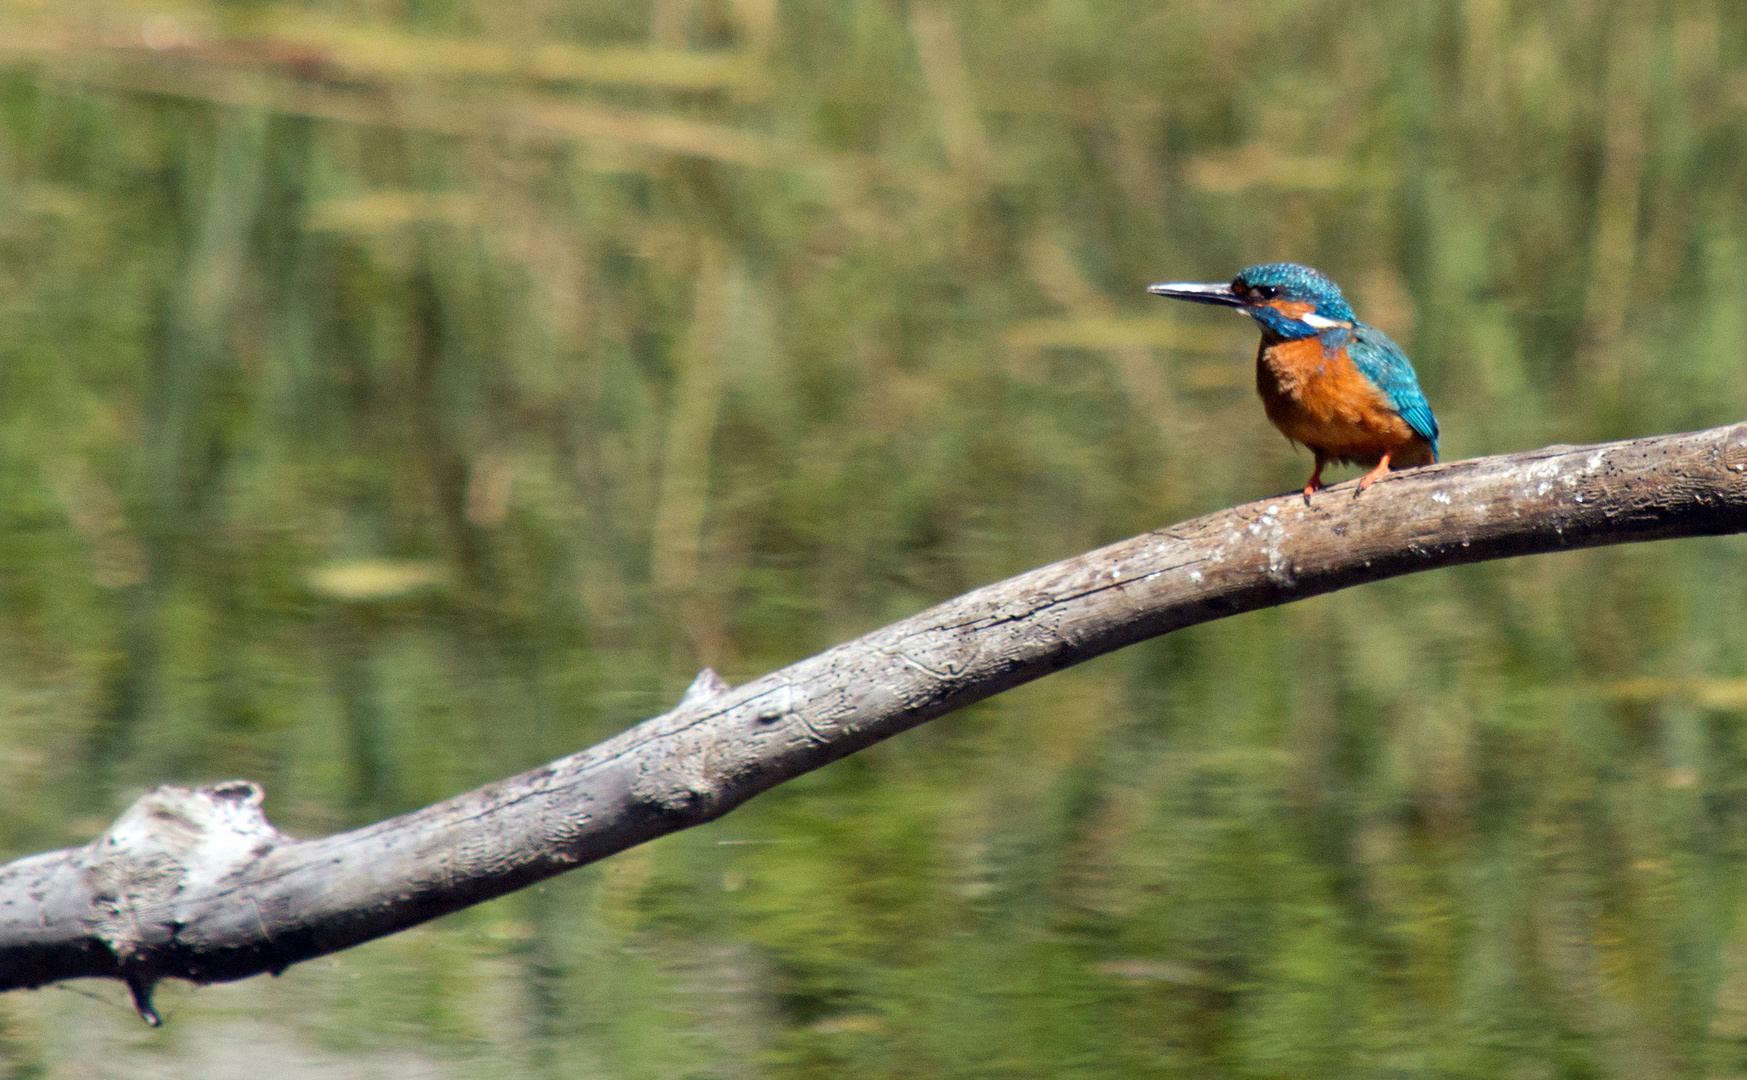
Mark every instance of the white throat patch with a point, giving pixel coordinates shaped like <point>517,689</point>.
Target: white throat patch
<point>1320,323</point>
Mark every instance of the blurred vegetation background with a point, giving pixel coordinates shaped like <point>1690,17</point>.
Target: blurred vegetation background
<point>395,395</point>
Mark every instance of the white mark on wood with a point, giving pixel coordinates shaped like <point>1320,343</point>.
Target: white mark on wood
<point>1279,565</point>
<point>1280,568</point>
<point>1440,497</point>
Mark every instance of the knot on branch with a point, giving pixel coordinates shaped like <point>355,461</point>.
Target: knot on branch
<point>677,781</point>
<point>707,685</point>
<point>171,842</point>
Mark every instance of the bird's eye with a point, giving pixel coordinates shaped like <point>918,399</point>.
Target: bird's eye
<point>1267,292</point>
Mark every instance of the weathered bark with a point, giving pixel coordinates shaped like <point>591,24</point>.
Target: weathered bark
<point>197,885</point>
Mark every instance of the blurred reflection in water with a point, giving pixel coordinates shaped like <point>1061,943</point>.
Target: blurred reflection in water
<point>394,401</point>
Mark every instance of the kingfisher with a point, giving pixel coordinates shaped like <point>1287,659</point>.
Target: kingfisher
<point>1326,379</point>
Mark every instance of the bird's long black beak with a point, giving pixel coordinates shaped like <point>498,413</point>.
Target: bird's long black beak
<point>1201,292</point>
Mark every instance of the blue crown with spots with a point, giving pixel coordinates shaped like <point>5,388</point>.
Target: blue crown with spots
<point>1295,281</point>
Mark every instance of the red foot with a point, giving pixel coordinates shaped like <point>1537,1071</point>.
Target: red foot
<point>1316,483</point>
<point>1371,477</point>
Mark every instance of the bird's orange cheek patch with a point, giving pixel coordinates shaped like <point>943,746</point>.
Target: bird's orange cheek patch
<point>1292,309</point>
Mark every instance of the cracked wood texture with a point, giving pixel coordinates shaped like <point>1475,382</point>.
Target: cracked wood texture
<point>196,884</point>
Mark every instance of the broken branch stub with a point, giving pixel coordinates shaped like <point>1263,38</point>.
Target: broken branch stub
<point>196,884</point>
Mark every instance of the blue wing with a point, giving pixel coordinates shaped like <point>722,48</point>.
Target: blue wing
<point>1382,361</point>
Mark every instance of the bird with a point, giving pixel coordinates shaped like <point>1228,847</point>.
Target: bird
<point>1327,380</point>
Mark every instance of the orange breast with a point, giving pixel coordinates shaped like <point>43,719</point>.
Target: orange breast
<point>1317,397</point>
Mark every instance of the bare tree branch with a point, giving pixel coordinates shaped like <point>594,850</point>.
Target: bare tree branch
<point>198,885</point>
